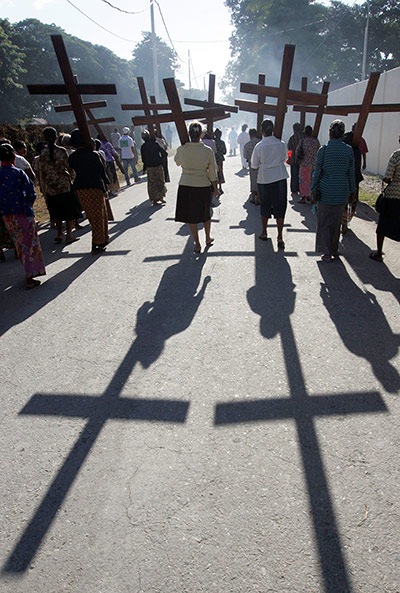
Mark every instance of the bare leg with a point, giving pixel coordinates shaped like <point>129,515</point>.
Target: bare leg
<point>207,228</point>
<point>264,223</point>
<point>69,230</point>
<point>195,234</point>
<point>279,223</point>
<point>257,197</point>
<point>59,229</point>
<point>379,243</point>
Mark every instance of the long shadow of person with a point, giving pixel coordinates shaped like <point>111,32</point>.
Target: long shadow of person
<point>17,305</point>
<point>173,309</point>
<point>361,323</point>
<point>370,272</point>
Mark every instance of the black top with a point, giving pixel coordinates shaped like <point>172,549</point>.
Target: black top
<point>89,169</point>
<point>152,153</point>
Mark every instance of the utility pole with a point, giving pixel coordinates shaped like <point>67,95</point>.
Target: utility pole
<point>364,62</point>
<point>190,74</point>
<point>154,48</point>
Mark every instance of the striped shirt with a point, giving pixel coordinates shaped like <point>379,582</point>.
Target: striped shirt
<point>334,173</point>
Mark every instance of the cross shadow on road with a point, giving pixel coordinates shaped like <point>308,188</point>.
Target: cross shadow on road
<point>175,304</point>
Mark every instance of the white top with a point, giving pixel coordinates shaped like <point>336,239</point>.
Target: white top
<point>269,158</point>
<point>126,145</point>
<point>115,136</point>
<point>243,138</point>
<point>232,137</point>
<point>21,162</point>
<point>198,164</point>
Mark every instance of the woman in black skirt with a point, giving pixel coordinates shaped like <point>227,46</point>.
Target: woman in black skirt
<point>194,193</point>
<point>389,218</point>
<point>55,177</point>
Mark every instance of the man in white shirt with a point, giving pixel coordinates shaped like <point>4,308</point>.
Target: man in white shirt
<point>243,138</point>
<point>128,155</point>
<point>232,142</point>
<point>269,158</point>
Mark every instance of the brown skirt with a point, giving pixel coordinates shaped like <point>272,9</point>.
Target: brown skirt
<point>94,204</point>
<point>193,204</point>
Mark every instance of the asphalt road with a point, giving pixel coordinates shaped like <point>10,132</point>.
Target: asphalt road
<point>222,423</point>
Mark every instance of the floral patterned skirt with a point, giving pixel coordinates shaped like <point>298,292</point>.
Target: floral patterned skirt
<point>22,230</point>
<point>156,183</point>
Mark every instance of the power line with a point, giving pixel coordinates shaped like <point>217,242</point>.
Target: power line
<point>121,10</point>
<point>101,26</point>
<point>169,37</point>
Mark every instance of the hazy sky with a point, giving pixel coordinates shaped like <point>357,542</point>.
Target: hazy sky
<point>199,26</point>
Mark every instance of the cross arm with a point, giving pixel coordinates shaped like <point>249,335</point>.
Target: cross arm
<point>83,406</point>
<point>82,89</point>
<point>88,105</point>
<point>199,103</point>
<point>186,115</point>
<point>304,406</point>
<point>139,106</point>
<point>254,107</point>
<point>293,95</point>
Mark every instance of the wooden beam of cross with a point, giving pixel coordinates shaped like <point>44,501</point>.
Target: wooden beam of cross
<point>260,107</point>
<point>149,108</point>
<point>210,102</point>
<point>363,110</point>
<point>303,115</point>
<point>88,106</point>
<point>300,407</point>
<point>320,110</point>
<point>177,115</point>
<point>97,410</point>
<point>71,88</point>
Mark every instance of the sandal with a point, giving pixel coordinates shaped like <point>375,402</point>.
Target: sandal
<point>281,244</point>
<point>210,242</point>
<point>263,237</point>
<point>32,283</point>
<point>375,256</point>
<point>328,258</point>
<point>197,249</point>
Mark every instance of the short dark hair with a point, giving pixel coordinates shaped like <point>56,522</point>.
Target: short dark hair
<point>308,131</point>
<point>336,129</point>
<point>252,132</point>
<point>195,130</point>
<point>77,138</point>
<point>7,153</point>
<point>267,127</point>
<point>217,133</point>
<point>19,145</point>
<point>145,135</point>
<point>297,127</point>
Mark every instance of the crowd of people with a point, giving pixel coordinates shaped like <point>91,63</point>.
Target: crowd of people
<point>74,177</point>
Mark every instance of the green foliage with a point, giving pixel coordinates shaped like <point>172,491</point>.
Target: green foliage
<point>11,59</point>
<point>329,40</point>
<point>91,63</point>
<point>142,64</point>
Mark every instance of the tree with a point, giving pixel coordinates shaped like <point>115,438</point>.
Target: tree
<point>142,64</point>
<point>11,59</point>
<point>329,40</point>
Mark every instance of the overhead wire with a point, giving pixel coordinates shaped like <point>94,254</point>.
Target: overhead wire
<point>101,26</point>
<point>166,29</point>
<point>121,9</point>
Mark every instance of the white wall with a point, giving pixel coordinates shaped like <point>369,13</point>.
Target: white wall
<point>382,129</point>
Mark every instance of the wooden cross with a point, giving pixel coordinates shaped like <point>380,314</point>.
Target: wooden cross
<point>88,109</point>
<point>149,108</point>
<point>303,115</point>
<point>176,114</point>
<point>363,110</point>
<point>284,95</point>
<point>210,102</point>
<point>273,277</point>
<point>72,88</point>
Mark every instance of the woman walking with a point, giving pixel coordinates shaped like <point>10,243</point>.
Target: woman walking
<point>17,195</point>
<point>90,184</point>
<point>306,155</point>
<point>389,219</point>
<point>194,192</point>
<point>152,157</point>
<point>55,177</point>
<point>335,179</point>
<point>219,158</point>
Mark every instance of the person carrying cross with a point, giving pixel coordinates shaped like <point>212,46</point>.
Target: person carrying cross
<point>269,157</point>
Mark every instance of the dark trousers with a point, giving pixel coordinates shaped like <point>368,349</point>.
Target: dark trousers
<point>294,178</point>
